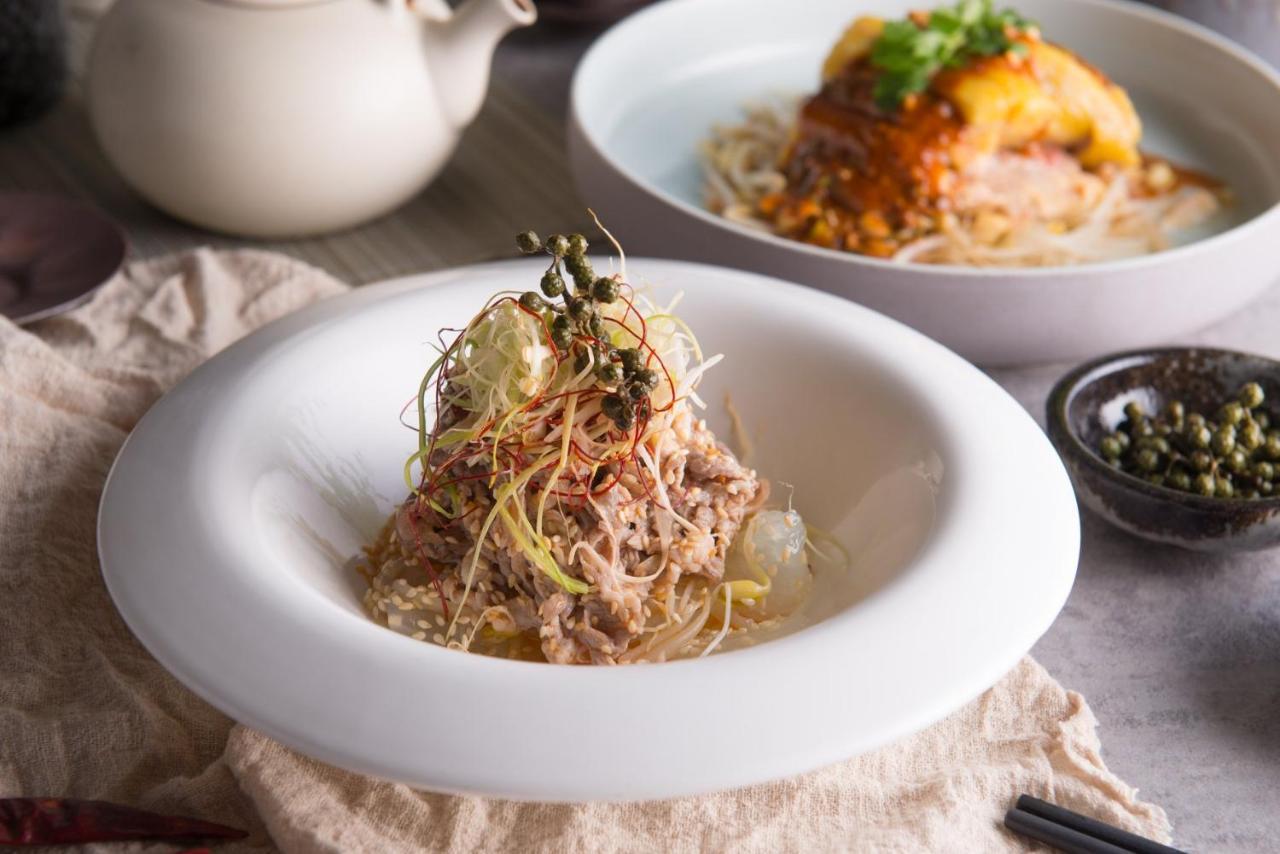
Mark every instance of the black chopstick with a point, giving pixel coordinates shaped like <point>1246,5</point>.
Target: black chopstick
<point>1074,833</point>
<point>1058,836</point>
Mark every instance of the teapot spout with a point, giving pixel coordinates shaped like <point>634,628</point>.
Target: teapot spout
<point>460,50</point>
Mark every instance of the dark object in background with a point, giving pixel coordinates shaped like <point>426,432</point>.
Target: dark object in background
<point>54,252</point>
<point>587,12</point>
<point>33,58</point>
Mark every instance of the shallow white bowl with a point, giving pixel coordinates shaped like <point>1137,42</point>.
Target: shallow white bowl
<point>231,517</point>
<point>650,89</point>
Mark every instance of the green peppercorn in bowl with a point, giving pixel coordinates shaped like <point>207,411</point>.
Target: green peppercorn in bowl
<point>1177,445</point>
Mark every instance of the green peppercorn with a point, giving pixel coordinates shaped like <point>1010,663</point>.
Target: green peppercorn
<point>647,378</point>
<point>1202,461</point>
<point>1237,461</point>
<point>1199,437</point>
<point>1133,411</point>
<point>596,325</point>
<point>1224,440</point>
<point>579,309</point>
<point>1266,488</point>
<point>1272,446</point>
<point>1179,479</point>
<point>609,373</point>
<point>1193,420</point>
<point>1206,484</point>
<point>581,362</point>
<point>528,242</point>
<point>1251,435</point>
<point>632,361</point>
<point>552,283</point>
<point>532,301</point>
<point>1160,445</point>
<point>618,410</point>
<point>558,245</point>
<point>1141,428</point>
<point>1231,413</point>
<point>613,406</point>
<point>637,391</point>
<point>1110,447</point>
<point>1264,470</point>
<point>1263,419</point>
<point>1148,460</point>
<point>577,244</point>
<point>580,268</point>
<point>1157,479</point>
<point>1176,411</point>
<point>562,332</point>
<point>605,290</point>
<point>1251,395</point>
<point>1222,487</point>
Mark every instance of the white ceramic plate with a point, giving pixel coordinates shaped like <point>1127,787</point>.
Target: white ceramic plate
<point>638,115</point>
<point>231,517</point>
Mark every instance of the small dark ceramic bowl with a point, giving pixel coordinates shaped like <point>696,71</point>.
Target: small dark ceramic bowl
<point>1089,402</point>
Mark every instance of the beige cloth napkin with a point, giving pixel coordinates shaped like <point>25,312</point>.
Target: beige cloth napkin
<point>84,711</point>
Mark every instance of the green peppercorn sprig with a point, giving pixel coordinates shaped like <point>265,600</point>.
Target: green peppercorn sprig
<point>576,324</point>
<point>1235,454</point>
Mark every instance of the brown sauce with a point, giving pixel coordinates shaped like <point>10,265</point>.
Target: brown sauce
<point>860,178</point>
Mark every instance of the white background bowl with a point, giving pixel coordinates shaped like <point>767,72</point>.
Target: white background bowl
<point>232,515</point>
<point>650,89</point>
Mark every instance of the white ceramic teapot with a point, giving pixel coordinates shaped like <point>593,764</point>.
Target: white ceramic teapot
<point>277,118</point>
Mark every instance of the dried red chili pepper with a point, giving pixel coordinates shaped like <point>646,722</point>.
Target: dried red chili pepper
<point>61,821</point>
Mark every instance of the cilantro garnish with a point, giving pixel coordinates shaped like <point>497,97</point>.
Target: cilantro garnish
<point>909,55</point>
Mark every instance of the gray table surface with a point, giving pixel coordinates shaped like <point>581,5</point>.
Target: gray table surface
<point>1178,654</point>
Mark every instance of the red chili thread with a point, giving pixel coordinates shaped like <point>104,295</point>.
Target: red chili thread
<point>69,821</point>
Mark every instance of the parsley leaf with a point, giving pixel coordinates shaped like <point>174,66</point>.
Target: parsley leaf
<point>909,55</point>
